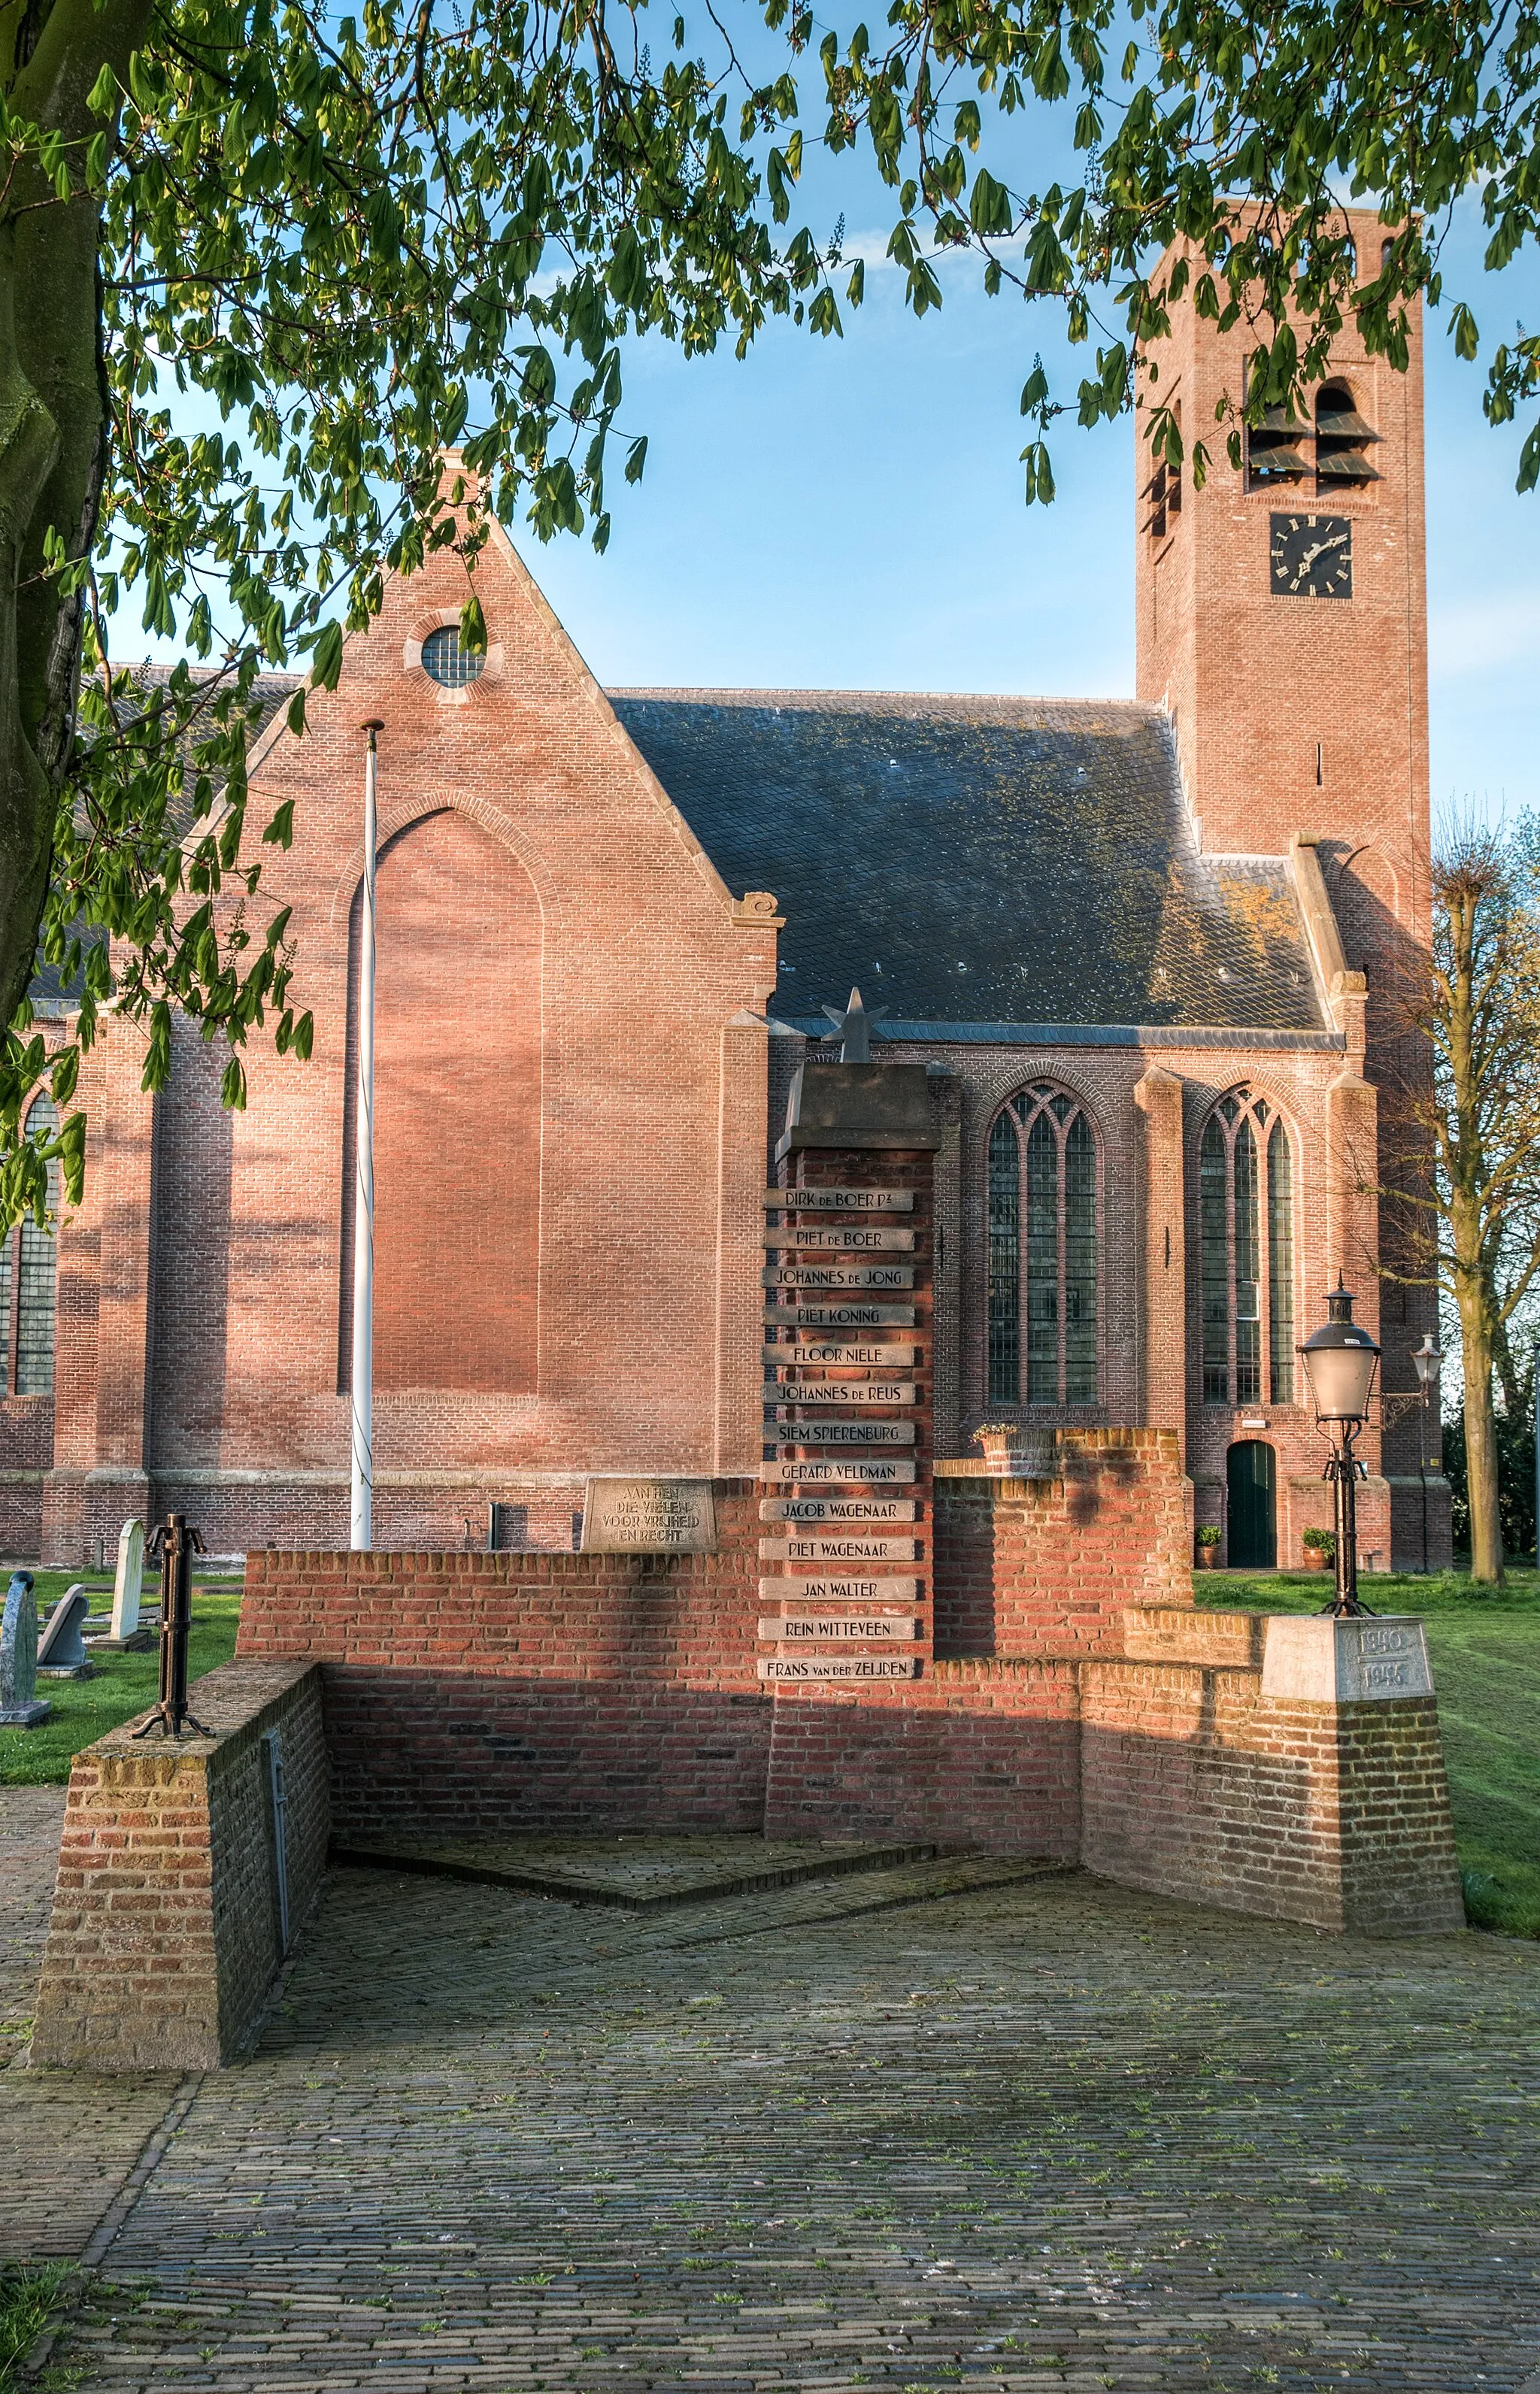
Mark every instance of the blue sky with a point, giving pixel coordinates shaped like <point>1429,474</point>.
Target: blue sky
<point>850,514</point>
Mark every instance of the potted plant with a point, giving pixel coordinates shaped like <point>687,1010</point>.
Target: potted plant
<point>1320,1549</point>
<point>1012,1453</point>
<point>1209,1546</point>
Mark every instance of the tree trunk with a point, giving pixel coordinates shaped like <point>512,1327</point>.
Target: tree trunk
<point>54,429</point>
<point>1481,1438</point>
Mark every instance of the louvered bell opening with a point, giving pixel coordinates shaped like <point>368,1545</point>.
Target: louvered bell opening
<point>1275,461</point>
<point>1345,466</point>
<point>1344,424</point>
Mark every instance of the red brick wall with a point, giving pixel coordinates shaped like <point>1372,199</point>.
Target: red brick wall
<point>979,1752</point>
<point>1045,1567</point>
<point>1193,1784</point>
<point>480,1692</point>
<point>456,1114</point>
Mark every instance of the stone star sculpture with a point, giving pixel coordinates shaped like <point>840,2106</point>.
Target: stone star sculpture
<point>854,1026</point>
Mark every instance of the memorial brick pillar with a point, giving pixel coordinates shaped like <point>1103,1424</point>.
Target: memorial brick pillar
<point>847,1550</point>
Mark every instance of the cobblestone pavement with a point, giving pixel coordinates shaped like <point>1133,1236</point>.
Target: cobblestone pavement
<point>1045,2135</point>
<point>30,1819</point>
<point>67,2145</point>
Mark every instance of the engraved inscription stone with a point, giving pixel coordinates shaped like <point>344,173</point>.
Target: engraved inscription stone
<point>844,1433</point>
<point>840,1392</point>
<point>842,1628</point>
<point>862,1471</point>
<point>843,1238</point>
<point>869,1356</point>
<point>837,1276</point>
<point>853,1547</point>
<point>874,1510</point>
<point>841,1201</point>
<point>649,1517</point>
<point>835,1588</point>
<point>781,1669</point>
<point>840,1317</point>
<point>21,1706</point>
<point>1316,1660</point>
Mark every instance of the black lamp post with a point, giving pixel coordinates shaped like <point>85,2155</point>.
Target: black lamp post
<point>1428,1362</point>
<point>1339,1361</point>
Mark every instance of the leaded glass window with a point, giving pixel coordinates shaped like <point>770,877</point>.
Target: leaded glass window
<point>36,1279</point>
<point>447,661</point>
<point>1245,1180</point>
<point>1042,1252</point>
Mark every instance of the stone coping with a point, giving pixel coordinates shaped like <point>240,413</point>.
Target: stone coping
<point>227,1700</point>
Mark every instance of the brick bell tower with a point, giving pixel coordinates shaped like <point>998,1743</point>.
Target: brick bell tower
<point>1282,620</point>
<point>1292,654</point>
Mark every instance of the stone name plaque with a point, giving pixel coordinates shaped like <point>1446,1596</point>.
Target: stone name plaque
<point>781,1669</point>
<point>840,1317</point>
<point>869,1357</point>
<point>834,1590</point>
<point>1322,1661</point>
<point>843,1238</point>
<point>841,1201</point>
<point>872,1510</point>
<point>853,1547</point>
<point>837,1276</point>
<point>841,1629</point>
<point>840,1392</point>
<point>649,1517</point>
<point>863,1471</point>
<point>844,1433</point>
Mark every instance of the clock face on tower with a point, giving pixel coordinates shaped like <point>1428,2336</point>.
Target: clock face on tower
<point>1312,557</point>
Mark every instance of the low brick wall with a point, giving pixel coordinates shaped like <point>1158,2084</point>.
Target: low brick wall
<point>979,1753</point>
<point>164,1937</point>
<point>1194,1783</point>
<point>477,1694</point>
<point>1047,1566</point>
<point>485,1692</point>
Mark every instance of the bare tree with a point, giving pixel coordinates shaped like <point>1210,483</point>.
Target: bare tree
<point>1474,1222</point>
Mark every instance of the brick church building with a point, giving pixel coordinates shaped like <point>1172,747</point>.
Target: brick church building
<point>1146,951</point>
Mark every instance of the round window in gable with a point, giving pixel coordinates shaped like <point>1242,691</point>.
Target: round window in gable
<point>450,663</point>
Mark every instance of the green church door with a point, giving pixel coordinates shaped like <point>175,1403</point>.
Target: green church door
<point>1253,1513</point>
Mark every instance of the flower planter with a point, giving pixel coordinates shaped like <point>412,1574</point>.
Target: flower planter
<point>1017,1454</point>
<point>1316,1561</point>
<point>1208,1557</point>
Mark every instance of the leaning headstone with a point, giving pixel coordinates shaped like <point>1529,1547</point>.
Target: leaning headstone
<point>61,1651</point>
<point>21,1706</point>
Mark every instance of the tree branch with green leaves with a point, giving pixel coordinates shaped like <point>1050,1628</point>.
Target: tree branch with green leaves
<point>261,264</point>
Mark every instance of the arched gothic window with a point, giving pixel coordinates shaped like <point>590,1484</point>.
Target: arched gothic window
<point>28,1262</point>
<point>1042,1252</point>
<point>1246,1194</point>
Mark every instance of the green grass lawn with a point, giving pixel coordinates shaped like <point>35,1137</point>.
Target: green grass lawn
<point>124,1684</point>
<point>1485,1649</point>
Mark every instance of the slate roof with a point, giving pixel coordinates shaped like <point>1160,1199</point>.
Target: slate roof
<point>999,863</point>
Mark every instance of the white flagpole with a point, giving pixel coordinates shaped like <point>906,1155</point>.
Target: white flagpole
<point>363,1185</point>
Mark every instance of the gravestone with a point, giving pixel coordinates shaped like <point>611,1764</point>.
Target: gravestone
<point>20,1707</point>
<point>61,1650</point>
<point>129,1581</point>
<point>123,1635</point>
